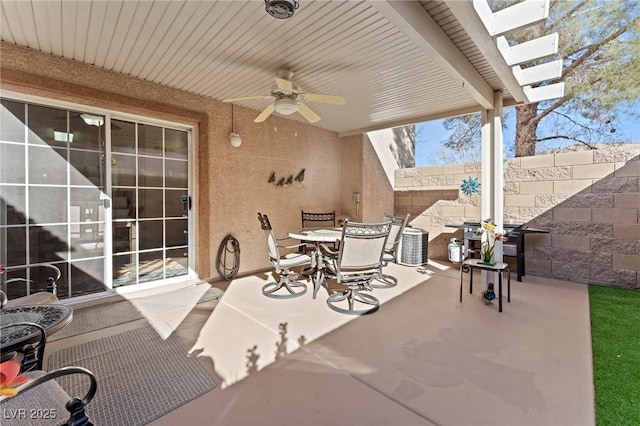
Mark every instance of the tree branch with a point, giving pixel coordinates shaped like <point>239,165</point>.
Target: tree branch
<point>570,119</point>
<point>592,49</point>
<point>555,105</point>
<point>566,137</point>
<point>567,15</point>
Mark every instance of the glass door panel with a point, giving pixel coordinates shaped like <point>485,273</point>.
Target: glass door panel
<point>51,192</point>
<point>123,136</point>
<point>149,176</point>
<point>47,166</point>
<point>151,266</point>
<point>54,165</point>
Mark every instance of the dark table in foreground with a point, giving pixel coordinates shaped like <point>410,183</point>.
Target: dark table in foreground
<point>513,232</point>
<point>51,317</point>
<point>498,267</point>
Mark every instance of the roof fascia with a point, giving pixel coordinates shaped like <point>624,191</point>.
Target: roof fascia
<point>412,120</point>
<point>467,16</point>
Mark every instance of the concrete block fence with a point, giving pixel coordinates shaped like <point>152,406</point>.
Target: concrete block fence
<point>589,200</point>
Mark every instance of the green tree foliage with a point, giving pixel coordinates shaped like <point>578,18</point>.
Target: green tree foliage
<point>599,43</point>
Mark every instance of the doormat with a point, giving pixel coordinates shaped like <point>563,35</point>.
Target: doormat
<point>140,376</point>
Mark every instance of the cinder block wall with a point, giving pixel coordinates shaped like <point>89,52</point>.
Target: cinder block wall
<point>589,200</point>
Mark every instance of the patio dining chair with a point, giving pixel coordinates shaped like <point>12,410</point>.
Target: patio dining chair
<point>41,395</point>
<point>283,264</point>
<point>356,264</point>
<point>398,224</point>
<point>38,294</point>
<point>318,220</point>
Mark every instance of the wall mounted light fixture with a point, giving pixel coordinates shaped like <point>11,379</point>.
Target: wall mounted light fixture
<point>234,138</point>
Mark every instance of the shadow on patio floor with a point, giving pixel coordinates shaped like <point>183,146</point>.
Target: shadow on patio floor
<point>424,358</point>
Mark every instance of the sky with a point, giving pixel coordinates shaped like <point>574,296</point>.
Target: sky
<point>431,135</point>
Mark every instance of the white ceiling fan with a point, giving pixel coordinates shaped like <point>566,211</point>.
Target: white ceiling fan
<point>288,99</point>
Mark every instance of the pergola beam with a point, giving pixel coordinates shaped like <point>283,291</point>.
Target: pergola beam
<point>543,93</point>
<point>513,17</point>
<point>466,14</point>
<point>538,73</point>
<point>528,50</point>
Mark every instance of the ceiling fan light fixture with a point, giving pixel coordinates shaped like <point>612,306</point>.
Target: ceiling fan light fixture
<point>286,106</point>
<point>92,120</point>
<point>281,9</point>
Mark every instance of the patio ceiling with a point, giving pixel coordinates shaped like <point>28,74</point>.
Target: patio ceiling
<point>395,62</point>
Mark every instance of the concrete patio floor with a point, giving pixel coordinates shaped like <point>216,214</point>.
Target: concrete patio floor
<point>423,359</point>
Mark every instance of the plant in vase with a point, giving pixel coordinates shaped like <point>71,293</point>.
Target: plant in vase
<point>488,237</point>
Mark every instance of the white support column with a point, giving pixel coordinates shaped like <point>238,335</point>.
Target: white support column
<point>493,174</point>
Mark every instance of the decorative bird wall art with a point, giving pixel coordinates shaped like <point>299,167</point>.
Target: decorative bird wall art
<point>291,179</point>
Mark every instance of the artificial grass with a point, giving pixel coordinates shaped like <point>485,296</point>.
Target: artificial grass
<point>615,335</point>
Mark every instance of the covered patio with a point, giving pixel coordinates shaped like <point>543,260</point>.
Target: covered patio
<point>171,64</point>
<point>423,358</point>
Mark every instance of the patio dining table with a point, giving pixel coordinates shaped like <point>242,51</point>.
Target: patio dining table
<point>22,338</point>
<point>318,236</point>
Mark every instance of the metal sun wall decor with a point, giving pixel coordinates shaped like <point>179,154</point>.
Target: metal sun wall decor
<point>286,180</point>
<point>470,186</point>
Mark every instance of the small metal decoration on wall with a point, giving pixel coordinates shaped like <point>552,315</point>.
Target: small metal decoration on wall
<point>286,180</point>
<point>470,186</point>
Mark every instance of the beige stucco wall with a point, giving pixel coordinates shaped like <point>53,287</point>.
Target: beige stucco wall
<point>363,172</point>
<point>589,200</point>
<point>230,184</point>
<point>377,191</point>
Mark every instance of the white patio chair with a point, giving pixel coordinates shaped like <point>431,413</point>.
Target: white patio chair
<point>398,224</point>
<point>283,264</point>
<point>356,264</point>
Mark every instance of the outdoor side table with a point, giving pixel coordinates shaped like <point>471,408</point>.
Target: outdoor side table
<point>498,267</point>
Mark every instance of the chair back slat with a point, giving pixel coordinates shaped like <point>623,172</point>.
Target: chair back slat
<point>362,246</point>
<point>310,219</point>
<point>274,252</point>
<point>398,224</point>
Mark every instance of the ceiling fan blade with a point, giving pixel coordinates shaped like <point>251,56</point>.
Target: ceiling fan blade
<point>265,113</point>
<point>308,113</point>
<point>283,84</point>
<point>247,98</point>
<point>325,99</point>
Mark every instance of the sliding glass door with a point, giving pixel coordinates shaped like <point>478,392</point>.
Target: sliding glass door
<point>104,200</point>
<point>150,181</point>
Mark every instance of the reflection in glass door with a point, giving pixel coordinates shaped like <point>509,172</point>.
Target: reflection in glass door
<point>149,178</point>
<point>52,186</point>
<point>59,174</point>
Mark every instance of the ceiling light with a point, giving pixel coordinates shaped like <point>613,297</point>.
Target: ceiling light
<point>281,9</point>
<point>286,106</point>
<point>92,120</point>
<point>62,136</point>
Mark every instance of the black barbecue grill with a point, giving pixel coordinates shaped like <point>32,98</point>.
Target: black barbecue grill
<point>512,247</point>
